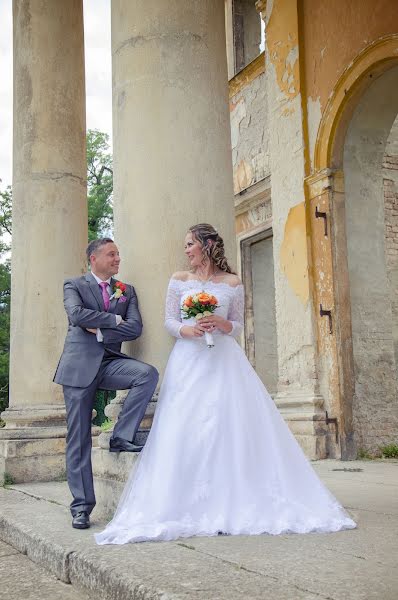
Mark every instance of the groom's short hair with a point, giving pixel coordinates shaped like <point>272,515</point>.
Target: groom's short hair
<point>95,245</point>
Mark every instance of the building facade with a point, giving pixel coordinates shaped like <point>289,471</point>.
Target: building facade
<point>308,204</point>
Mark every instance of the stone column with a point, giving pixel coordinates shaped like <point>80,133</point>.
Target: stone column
<point>172,168</point>
<point>298,395</point>
<point>172,149</point>
<point>49,227</point>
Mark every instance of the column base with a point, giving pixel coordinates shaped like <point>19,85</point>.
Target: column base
<point>32,444</point>
<point>305,415</point>
<point>34,454</point>
<point>112,412</point>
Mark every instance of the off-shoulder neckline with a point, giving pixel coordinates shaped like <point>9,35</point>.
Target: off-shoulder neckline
<point>204,283</point>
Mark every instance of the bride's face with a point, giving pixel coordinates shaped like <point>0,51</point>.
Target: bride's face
<point>193,250</point>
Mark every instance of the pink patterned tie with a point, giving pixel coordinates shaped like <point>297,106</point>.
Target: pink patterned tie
<point>104,289</point>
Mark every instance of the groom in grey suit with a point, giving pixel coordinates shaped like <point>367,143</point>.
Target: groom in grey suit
<point>100,318</point>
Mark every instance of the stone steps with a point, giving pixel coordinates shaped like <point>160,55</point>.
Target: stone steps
<point>348,565</point>
<point>35,520</point>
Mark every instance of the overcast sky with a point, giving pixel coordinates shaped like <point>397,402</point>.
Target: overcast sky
<point>97,30</point>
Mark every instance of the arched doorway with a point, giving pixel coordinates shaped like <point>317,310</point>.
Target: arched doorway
<point>354,160</point>
<point>371,265</point>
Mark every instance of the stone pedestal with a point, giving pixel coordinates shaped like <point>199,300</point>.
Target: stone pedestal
<point>112,411</point>
<point>110,471</point>
<point>305,415</point>
<point>49,227</point>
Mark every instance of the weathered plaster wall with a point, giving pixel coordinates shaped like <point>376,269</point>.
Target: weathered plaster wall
<point>375,402</point>
<point>295,342</point>
<point>335,32</point>
<point>390,181</point>
<point>327,50</point>
<point>249,134</point>
<point>319,198</point>
<point>298,387</point>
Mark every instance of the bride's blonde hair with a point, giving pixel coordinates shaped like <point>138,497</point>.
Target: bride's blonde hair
<point>212,245</point>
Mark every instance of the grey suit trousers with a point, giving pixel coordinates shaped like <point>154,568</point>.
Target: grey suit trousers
<point>114,374</point>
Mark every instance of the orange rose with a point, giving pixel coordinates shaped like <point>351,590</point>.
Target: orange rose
<point>204,298</point>
<point>188,302</point>
<point>213,300</point>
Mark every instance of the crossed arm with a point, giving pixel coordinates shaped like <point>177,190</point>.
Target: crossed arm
<point>129,328</point>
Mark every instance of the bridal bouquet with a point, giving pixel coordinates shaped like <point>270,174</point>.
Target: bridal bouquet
<point>199,306</point>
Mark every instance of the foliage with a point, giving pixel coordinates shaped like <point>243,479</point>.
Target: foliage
<point>99,184</point>
<point>100,212</point>
<point>107,425</point>
<point>363,454</point>
<point>101,400</point>
<point>5,292</point>
<point>389,451</point>
<point>7,480</point>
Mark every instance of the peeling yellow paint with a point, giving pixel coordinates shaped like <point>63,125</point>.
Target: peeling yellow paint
<point>282,43</point>
<point>243,176</point>
<point>289,110</point>
<point>293,254</point>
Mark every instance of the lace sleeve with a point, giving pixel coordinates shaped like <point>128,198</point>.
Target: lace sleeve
<point>236,311</point>
<point>172,321</point>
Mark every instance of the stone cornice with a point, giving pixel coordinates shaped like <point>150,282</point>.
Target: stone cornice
<point>247,75</point>
<point>253,196</point>
<point>317,183</point>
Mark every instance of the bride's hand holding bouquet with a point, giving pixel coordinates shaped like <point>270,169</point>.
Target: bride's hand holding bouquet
<point>201,307</point>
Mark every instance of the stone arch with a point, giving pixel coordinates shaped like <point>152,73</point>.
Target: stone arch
<point>349,154</point>
<point>373,61</point>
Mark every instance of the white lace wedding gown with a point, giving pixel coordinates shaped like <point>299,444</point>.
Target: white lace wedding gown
<point>219,457</point>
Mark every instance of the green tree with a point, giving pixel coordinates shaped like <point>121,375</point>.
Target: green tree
<point>100,213</point>
<point>5,292</point>
<point>99,184</point>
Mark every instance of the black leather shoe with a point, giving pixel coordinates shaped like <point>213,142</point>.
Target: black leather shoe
<point>81,520</point>
<point>121,445</point>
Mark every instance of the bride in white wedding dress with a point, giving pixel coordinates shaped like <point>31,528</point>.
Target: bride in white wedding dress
<point>219,457</point>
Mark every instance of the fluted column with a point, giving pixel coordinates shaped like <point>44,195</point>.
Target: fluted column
<point>172,150</point>
<point>49,226</point>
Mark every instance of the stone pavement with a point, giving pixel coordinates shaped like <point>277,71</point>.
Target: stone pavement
<point>21,579</point>
<point>350,565</point>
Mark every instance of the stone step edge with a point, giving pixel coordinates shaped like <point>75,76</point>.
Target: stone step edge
<point>74,567</point>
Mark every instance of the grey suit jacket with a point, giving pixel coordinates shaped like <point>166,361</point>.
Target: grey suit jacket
<point>82,354</point>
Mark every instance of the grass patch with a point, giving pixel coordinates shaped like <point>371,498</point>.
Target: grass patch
<point>389,451</point>
<point>7,480</point>
<point>107,425</point>
<point>364,454</point>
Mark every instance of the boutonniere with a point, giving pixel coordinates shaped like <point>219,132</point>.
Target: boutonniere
<point>118,290</point>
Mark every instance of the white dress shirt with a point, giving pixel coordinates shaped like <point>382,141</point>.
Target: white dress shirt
<point>100,337</point>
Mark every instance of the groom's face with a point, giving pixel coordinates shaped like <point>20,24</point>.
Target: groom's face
<point>106,260</point>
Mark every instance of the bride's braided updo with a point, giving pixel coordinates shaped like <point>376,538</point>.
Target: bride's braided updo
<point>212,245</point>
